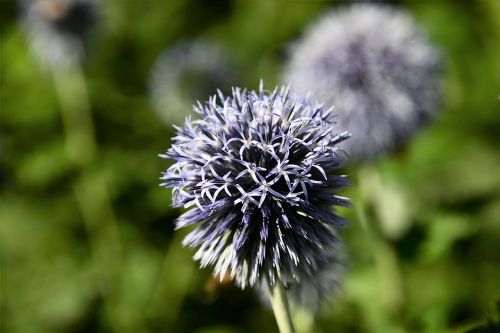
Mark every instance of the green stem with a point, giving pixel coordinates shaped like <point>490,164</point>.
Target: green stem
<point>389,271</point>
<point>72,94</point>
<point>281,309</point>
<point>81,148</point>
<point>170,289</point>
<point>385,255</point>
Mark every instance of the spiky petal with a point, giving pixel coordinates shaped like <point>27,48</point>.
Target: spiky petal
<point>257,173</point>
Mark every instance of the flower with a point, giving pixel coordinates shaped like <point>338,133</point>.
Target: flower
<point>376,65</point>
<point>57,29</point>
<point>312,292</point>
<point>257,173</point>
<point>186,72</point>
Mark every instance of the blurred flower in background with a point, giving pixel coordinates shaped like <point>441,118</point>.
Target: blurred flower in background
<point>258,172</point>
<point>375,65</point>
<point>57,29</point>
<point>61,270</point>
<point>311,293</point>
<point>185,73</point>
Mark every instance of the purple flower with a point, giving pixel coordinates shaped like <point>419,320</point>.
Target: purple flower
<point>257,173</point>
<point>311,293</point>
<point>376,65</point>
<point>185,72</point>
<point>57,29</point>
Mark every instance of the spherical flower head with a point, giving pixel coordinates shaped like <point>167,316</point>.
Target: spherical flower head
<point>376,66</point>
<point>316,290</point>
<point>186,72</point>
<point>320,288</point>
<point>257,172</point>
<point>57,29</point>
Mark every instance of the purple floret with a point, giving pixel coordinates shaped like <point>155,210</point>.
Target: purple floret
<point>257,172</point>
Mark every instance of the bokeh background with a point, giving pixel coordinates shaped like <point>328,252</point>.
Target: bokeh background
<point>90,246</point>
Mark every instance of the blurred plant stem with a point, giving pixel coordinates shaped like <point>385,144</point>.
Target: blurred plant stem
<point>281,308</point>
<point>72,94</point>
<point>385,255</point>
<point>172,285</point>
<point>303,319</point>
<point>90,191</point>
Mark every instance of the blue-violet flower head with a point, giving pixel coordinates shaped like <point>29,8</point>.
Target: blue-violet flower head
<point>313,292</point>
<point>257,172</point>
<point>57,29</point>
<point>185,72</point>
<point>376,65</point>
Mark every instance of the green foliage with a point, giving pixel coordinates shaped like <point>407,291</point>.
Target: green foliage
<point>431,266</point>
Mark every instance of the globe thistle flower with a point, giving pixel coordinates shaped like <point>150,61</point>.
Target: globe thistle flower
<point>257,173</point>
<point>325,283</point>
<point>57,29</point>
<point>378,68</point>
<point>312,292</point>
<point>187,72</point>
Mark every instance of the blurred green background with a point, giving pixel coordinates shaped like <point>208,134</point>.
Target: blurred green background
<point>91,248</point>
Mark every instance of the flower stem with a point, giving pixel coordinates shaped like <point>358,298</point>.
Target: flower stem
<point>71,90</point>
<point>385,255</point>
<point>90,190</point>
<point>281,309</point>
